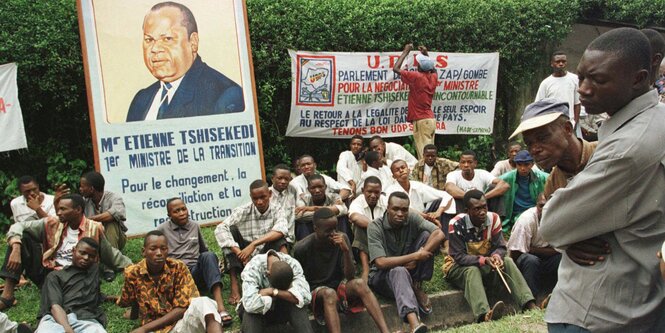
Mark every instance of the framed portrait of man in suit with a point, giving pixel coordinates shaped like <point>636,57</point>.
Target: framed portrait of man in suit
<point>169,59</point>
<point>172,104</point>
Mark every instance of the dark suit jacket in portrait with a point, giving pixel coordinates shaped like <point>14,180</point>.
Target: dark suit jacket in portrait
<point>203,91</point>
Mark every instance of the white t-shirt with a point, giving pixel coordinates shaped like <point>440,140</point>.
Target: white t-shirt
<point>22,212</point>
<point>396,152</point>
<point>360,206</point>
<point>525,232</point>
<point>421,195</point>
<point>482,179</point>
<point>348,168</point>
<point>427,175</point>
<point>562,88</point>
<point>63,257</point>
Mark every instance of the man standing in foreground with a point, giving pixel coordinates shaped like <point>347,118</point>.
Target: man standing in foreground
<point>421,90</point>
<point>624,292</point>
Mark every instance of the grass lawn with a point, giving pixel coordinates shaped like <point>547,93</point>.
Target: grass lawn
<point>28,297</point>
<point>530,321</point>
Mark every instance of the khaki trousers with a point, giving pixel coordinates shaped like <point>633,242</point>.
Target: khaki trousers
<point>423,134</point>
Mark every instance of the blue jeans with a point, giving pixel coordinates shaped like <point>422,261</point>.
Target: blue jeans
<point>49,325</point>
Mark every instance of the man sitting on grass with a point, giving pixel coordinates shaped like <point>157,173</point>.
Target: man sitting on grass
<point>363,210</point>
<point>252,228</point>
<point>164,294</point>
<point>476,254</point>
<point>71,298</point>
<point>327,261</point>
<point>316,197</point>
<point>41,246</point>
<point>187,245</point>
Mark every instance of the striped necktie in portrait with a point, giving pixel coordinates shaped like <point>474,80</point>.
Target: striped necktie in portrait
<point>164,101</point>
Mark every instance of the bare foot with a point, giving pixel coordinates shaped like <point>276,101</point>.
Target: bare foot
<point>234,298</point>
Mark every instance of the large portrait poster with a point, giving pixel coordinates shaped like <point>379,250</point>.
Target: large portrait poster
<point>341,94</point>
<point>172,105</point>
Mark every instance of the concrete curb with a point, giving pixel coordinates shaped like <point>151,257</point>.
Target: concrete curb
<point>450,309</point>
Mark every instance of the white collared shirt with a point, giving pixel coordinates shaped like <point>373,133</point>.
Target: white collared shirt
<point>421,194</point>
<point>157,100</point>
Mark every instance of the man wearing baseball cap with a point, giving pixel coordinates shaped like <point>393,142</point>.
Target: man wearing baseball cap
<point>421,90</point>
<point>525,186</point>
<point>552,142</point>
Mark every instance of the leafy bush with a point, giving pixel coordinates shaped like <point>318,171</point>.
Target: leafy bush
<point>519,30</point>
<point>43,38</point>
<point>642,13</point>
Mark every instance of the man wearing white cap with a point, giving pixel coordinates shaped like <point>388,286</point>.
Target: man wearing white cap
<point>421,90</point>
<point>551,141</point>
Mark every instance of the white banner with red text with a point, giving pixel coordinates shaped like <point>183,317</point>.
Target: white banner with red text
<point>11,119</point>
<point>341,94</point>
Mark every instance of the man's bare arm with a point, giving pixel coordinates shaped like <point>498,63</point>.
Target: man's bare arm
<point>398,65</point>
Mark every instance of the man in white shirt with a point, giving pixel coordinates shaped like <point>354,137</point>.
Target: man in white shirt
<point>420,194</point>
<point>252,228</point>
<point>363,210</point>
<point>392,151</point>
<point>535,258</point>
<point>376,168</point>
<point>563,86</point>
<point>307,167</point>
<point>468,177</point>
<point>32,204</point>
<point>284,195</point>
<point>349,164</point>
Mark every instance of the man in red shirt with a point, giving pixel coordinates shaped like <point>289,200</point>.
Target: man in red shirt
<point>421,90</point>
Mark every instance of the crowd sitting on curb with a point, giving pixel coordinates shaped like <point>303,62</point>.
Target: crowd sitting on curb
<point>308,241</point>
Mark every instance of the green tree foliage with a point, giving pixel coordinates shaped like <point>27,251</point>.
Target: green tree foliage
<point>519,30</point>
<point>643,13</point>
<point>42,37</point>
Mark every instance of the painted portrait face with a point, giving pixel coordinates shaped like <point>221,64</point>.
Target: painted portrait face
<point>168,51</point>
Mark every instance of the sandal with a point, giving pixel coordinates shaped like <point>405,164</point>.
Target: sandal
<point>424,304</point>
<point>227,320</point>
<point>421,328</point>
<point>7,302</point>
